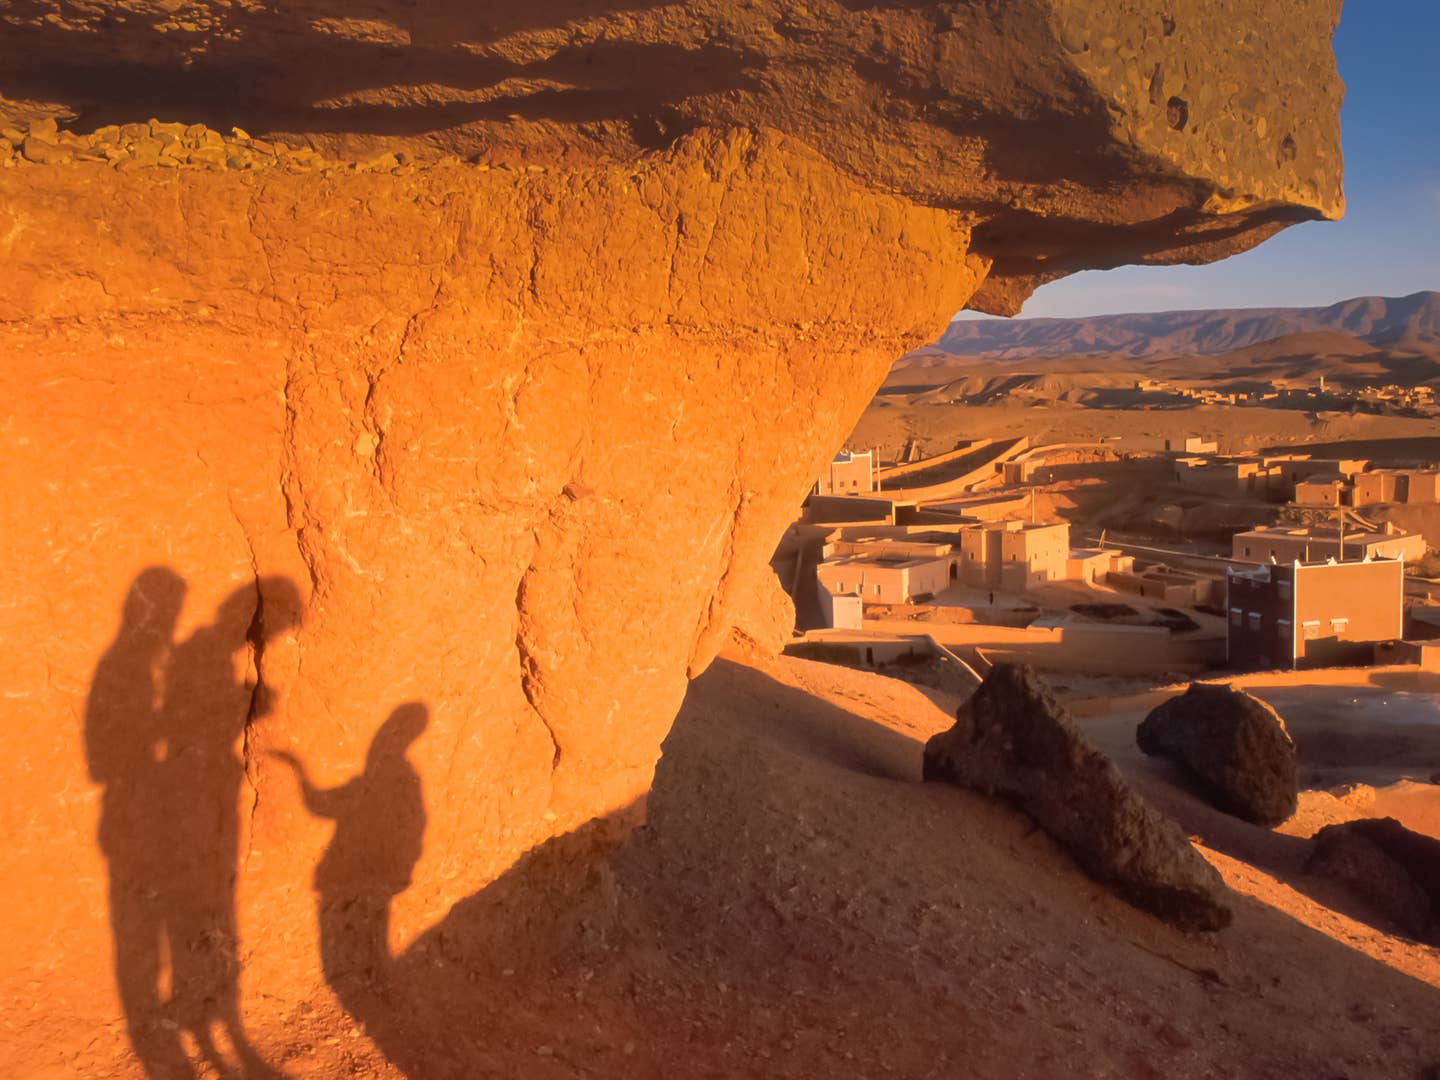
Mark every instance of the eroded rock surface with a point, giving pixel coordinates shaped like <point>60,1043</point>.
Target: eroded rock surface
<point>1012,739</point>
<point>499,342</point>
<point>1233,743</point>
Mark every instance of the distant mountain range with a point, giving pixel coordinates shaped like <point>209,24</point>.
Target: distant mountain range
<point>1355,327</point>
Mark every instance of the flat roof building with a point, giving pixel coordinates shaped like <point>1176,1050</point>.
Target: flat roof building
<point>1295,469</point>
<point>1317,614</point>
<point>1397,486</point>
<point>1014,555</point>
<point>1284,544</point>
<point>886,571</point>
<point>849,473</point>
<point>1322,489</point>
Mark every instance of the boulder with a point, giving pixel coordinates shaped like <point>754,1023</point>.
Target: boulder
<point>1233,744</point>
<point>1393,870</point>
<point>1014,740</point>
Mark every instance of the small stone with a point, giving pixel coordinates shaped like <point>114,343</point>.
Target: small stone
<point>108,134</point>
<point>12,136</point>
<point>44,129</point>
<point>240,133</point>
<point>1358,796</point>
<point>213,156</point>
<point>147,151</point>
<point>42,152</point>
<point>383,162</point>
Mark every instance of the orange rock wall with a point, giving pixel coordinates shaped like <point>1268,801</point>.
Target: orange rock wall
<point>519,439</point>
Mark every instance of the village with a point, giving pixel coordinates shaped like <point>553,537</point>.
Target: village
<point>1390,399</point>
<point>945,565</point>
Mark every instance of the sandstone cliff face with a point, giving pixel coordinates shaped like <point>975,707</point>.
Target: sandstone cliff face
<point>484,373</point>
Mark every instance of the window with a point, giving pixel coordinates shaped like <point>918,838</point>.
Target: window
<point>1247,549</point>
<point>1282,629</point>
<point>1339,626</point>
<point>1310,629</point>
<point>1283,589</point>
<point>877,590</point>
<point>1236,616</point>
<point>1254,620</point>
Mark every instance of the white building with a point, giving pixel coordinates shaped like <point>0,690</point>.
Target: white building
<point>850,473</point>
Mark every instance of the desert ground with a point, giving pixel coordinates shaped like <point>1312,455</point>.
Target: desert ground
<point>800,904</point>
<point>892,419</point>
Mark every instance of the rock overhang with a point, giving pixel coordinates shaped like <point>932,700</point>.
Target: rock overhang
<point>1072,133</point>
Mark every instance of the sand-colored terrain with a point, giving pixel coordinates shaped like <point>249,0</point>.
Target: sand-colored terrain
<point>801,905</point>
<point>890,421</point>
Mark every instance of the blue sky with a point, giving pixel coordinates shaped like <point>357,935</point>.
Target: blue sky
<point>1388,243</point>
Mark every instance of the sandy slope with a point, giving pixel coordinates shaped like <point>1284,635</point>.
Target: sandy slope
<point>800,905</point>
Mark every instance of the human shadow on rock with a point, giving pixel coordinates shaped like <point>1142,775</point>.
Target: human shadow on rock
<point>161,723</point>
<point>427,1009</point>
<point>788,848</point>
<point>379,836</point>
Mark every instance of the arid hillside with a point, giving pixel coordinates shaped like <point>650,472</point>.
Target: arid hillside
<point>800,905</point>
<point>1412,321</point>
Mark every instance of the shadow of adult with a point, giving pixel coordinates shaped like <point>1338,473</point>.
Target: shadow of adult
<point>379,836</point>
<point>161,725</point>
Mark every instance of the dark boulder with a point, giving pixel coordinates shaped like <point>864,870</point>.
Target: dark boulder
<point>1394,871</point>
<point>1012,739</point>
<point>1234,744</point>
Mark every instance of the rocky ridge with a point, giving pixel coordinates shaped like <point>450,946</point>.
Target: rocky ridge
<point>171,144</point>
